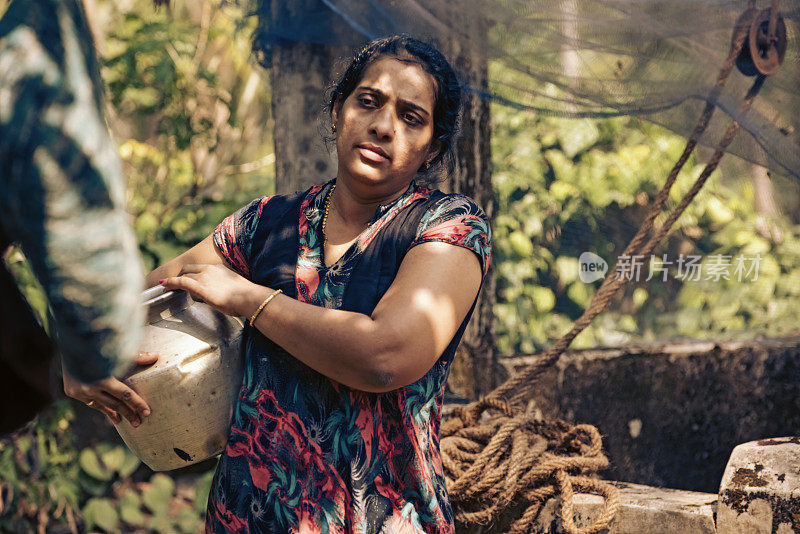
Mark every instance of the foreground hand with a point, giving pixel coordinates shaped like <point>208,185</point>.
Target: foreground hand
<point>110,396</point>
<point>220,287</point>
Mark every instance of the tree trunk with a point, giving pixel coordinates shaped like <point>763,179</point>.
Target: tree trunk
<point>475,370</point>
<point>301,73</point>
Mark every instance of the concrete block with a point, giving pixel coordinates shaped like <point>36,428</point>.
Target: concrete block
<point>760,489</point>
<point>643,509</point>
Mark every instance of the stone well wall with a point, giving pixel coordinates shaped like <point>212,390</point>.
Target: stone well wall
<point>672,413</point>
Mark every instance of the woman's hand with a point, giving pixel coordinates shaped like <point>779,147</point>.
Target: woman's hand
<point>220,287</point>
<point>110,396</point>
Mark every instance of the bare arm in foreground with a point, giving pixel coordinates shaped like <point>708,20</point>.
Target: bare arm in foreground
<point>407,332</point>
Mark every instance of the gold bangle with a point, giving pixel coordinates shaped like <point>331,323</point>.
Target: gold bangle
<point>263,305</point>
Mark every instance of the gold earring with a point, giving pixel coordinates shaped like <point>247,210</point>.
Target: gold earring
<point>333,128</point>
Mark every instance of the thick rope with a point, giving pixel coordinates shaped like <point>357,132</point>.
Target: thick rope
<point>492,462</point>
<point>495,454</point>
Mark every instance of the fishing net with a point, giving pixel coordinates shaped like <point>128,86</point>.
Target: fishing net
<point>588,58</point>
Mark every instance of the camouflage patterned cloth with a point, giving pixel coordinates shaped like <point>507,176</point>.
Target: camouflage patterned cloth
<point>62,185</point>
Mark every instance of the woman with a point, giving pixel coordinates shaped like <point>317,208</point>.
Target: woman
<point>357,300</point>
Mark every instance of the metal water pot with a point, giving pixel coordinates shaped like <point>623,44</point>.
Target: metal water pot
<point>192,387</point>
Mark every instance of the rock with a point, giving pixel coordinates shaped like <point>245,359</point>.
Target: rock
<point>760,489</point>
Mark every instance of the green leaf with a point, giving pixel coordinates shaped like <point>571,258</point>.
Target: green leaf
<point>580,293</point>
<point>520,244</point>
<point>790,284</point>
<point>92,486</point>
<point>561,165</point>
<point>533,226</point>
<point>146,224</point>
<point>130,464</point>
<point>23,446</point>
<point>188,521</point>
<point>563,190</point>
<point>90,464</point>
<point>762,290</point>
<point>544,298</point>
<point>639,296</point>
<point>130,498</point>
<point>66,488</point>
<point>718,212</point>
<point>768,268</point>
<point>101,513</point>
<point>153,501</point>
<point>577,135</point>
<point>156,497</point>
<point>161,523</point>
<point>755,245</point>
<point>112,456</point>
<point>130,509</point>
<point>567,269</point>
<point>627,323</point>
<point>146,97</point>
<point>164,484</point>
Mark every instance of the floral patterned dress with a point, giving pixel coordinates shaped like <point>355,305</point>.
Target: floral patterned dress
<point>306,454</point>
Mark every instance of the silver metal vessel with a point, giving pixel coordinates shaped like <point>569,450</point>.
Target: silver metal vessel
<point>192,387</point>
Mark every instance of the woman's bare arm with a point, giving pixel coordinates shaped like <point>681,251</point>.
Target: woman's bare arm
<point>202,253</point>
<point>407,332</point>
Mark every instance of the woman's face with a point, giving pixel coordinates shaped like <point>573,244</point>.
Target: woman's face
<point>385,126</point>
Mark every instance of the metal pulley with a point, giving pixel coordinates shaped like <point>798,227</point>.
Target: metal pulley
<point>765,44</point>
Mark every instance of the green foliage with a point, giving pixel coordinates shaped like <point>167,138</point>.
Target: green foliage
<point>556,182</point>
<point>156,497</point>
<point>191,112</point>
<point>48,484</point>
<point>168,221</point>
<point>762,303</point>
<point>104,466</point>
<point>100,513</point>
<point>565,186</point>
<point>40,470</point>
<point>130,509</point>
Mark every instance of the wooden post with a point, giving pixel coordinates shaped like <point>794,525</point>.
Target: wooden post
<point>475,371</point>
<point>301,73</point>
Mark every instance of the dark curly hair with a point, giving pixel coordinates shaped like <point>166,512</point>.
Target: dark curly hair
<point>448,97</point>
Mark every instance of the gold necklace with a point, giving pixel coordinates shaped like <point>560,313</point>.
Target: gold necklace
<point>325,214</point>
